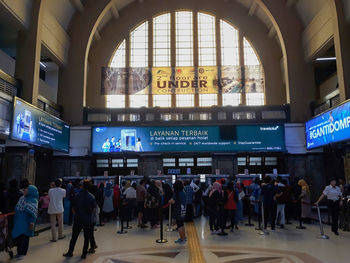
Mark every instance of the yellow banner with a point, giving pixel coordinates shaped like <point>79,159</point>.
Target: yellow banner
<point>184,80</point>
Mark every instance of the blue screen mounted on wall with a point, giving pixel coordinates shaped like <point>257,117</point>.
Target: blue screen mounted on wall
<point>329,127</point>
<point>229,138</point>
<point>33,126</point>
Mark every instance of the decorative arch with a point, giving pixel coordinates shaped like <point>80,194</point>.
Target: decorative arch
<point>72,77</point>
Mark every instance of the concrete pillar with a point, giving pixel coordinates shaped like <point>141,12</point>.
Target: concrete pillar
<point>341,46</point>
<point>28,54</point>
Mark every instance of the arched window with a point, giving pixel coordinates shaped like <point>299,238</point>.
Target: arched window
<point>200,40</point>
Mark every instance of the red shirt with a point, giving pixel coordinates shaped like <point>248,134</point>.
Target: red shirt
<point>230,203</point>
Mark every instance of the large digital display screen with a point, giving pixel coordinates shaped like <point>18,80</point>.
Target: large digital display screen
<point>34,126</point>
<point>329,127</point>
<point>188,138</point>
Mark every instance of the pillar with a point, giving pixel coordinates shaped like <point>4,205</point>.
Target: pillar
<point>341,46</point>
<point>28,54</point>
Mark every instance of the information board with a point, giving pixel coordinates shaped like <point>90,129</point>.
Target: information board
<point>329,127</point>
<point>34,126</point>
<point>188,138</point>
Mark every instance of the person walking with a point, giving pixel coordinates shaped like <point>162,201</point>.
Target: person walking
<point>84,206</point>
<point>334,200</point>
<point>26,212</point>
<point>56,209</point>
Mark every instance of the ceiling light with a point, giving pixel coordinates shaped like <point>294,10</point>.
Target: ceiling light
<point>326,59</point>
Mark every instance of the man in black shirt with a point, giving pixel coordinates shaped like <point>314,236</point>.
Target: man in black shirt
<point>84,206</point>
<point>269,193</point>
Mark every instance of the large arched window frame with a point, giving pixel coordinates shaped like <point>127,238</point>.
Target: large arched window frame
<point>189,39</point>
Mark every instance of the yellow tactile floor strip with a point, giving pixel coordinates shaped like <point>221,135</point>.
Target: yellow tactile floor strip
<point>194,247</point>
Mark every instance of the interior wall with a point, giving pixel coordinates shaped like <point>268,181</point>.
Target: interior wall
<point>117,29</point>
<point>7,64</point>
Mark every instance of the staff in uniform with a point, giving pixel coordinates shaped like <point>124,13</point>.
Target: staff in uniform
<point>334,198</point>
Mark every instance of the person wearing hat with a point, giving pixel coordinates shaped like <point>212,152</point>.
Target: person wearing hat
<point>334,199</point>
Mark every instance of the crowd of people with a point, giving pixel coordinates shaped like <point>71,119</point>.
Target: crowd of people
<point>85,205</point>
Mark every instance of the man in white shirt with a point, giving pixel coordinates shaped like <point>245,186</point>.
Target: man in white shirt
<point>55,210</point>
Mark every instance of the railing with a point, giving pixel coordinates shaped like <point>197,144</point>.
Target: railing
<point>179,116</point>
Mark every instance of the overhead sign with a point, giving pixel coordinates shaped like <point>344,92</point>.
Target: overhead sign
<point>329,127</point>
<point>167,80</point>
<point>34,126</point>
<point>188,138</point>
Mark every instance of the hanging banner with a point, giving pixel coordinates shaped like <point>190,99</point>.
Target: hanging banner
<point>231,81</point>
<point>139,81</point>
<point>185,80</point>
<point>179,80</point>
<point>254,79</point>
<point>113,81</point>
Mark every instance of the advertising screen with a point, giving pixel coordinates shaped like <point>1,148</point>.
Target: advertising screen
<point>34,126</point>
<point>188,138</point>
<point>329,127</point>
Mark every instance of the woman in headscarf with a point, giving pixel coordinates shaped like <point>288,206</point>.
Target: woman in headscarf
<point>304,198</point>
<point>216,210</point>
<point>152,203</point>
<point>24,220</point>
<point>108,208</point>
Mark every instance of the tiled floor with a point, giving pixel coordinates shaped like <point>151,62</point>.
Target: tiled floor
<point>243,246</point>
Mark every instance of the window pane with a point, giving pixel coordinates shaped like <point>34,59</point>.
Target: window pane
<point>250,57</point>
<point>118,60</point>
<point>231,99</point>
<point>208,100</point>
<point>184,38</point>
<point>139,46</point>
<point>138,101</point>
<point>229,45</point>
<point>184,100</point>
<point>162,100</point>
<point>206,40</point>
<point>255,99</point>
<point>161,41</point>
<point>115,101</point>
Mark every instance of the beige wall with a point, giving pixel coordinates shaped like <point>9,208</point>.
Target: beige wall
<point>117,29</point>
<point>79,87</point>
